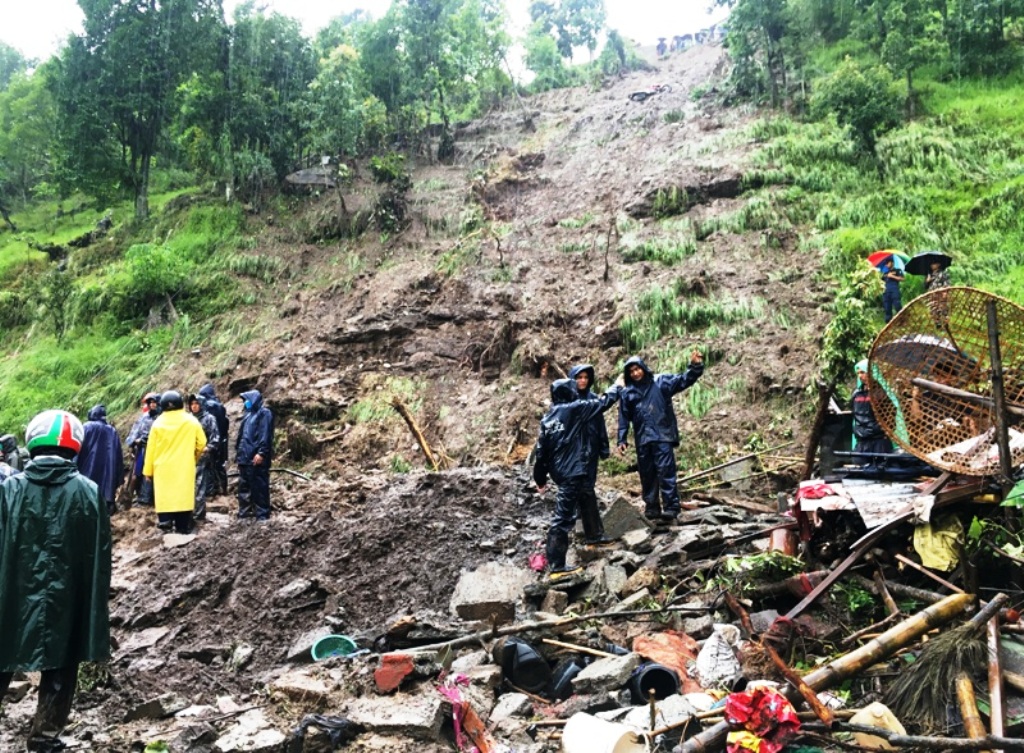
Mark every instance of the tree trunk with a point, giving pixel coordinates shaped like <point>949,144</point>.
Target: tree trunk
<point>7,218</point>
<point>142,189</point>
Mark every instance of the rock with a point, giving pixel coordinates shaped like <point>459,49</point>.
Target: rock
<point>290,591</point>
<point>555,602</point>
<point>145,664</point>
<point>510,705</point>
<point>303,645</point>
<point>639,541</point>
<point>143,639</point>
<point>644,578</point>
<point>763,620</point>
<point>614,578</point>
<point>607,674</point>
<point>588,703</point>
<point>470,661</point>
<point>240,656</point>
<point>485,676</point>
<point>393,669</point>
<point>621,517</point>
<point>415,716</point>
<point>204,654</point>
<point>699,626</point>
<point>490,592</point>
<point>673,709</point>
<point>251,733</point>
<point>197,737</point>
<point>174,540</point>
<point>298,686</point>
<point>16,691</point>
<point>160,707</point>
<point>632,601</point>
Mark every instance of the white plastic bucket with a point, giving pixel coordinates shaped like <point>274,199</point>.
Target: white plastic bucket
<point>588,734</point>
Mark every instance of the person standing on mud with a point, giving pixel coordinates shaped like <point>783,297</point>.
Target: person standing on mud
<point>54,573</point>
<point>175,443</point>
<point>206,477</point>
<point>563,452</point>
<point>647,406</point>
<point>254,451</point>
<point>600,449</point>
<point>219,461</point>
<point>100,458</point>
<point>892,276</point>
<point>142,490</point>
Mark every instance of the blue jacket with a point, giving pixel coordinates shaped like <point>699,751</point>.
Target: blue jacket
<point>647,404</point>
<point>563,448</point>
<point>215,408</point>
<point>101,458</point>
<point>256,432</point>
<point>597,430</point>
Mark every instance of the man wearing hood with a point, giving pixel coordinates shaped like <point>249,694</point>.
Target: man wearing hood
<point>54,573</point>
<point>563,452</point>
<point>254,449</point>
<point>137,439</point>
<point>647,405</point>
<point>100,458</point>
<point>175,443</point>
<point>597,435</point>
<point>206,480</point>
<point>219,460</point>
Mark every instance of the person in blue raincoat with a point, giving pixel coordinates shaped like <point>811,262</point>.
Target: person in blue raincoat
<point>892,276</point>
<point>101,458</point>
<point>54,573</point>
<point>597,436</point>
<point>563,452</point>
<point>646,405</point>
<point>254,450</point>
<point>219,461</point>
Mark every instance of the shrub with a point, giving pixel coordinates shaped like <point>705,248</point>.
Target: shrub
<point>866,100</point>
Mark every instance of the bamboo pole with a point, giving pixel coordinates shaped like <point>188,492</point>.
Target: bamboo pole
<point>925,571</point>
<point>888,643</point>
<point>999,407</point>
<point>681,482</point>
<point>580,649</point>
<point>973,725</point>
<point>995,678</point>
<point>967,397</point>
<point>927,742</point>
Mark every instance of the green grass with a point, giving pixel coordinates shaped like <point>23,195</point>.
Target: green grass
<point>377,408</point>
<point>675,241</point>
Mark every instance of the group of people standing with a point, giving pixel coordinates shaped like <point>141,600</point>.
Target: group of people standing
<point>573,438</point>
<point>55,586</point>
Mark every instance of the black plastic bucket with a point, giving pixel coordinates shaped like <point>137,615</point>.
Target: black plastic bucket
<point>657,677</point>
<point>561,678</point>
<point>522,665</point>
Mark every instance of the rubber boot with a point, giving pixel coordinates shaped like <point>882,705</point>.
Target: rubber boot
<point>593,526</point>
<point>557,549</point>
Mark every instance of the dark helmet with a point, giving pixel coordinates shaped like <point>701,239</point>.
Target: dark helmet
<point>171,400</point>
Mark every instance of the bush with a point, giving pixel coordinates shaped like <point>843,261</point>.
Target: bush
<point>865,100</point>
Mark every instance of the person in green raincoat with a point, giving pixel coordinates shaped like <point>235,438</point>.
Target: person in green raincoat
<point>54,573</point>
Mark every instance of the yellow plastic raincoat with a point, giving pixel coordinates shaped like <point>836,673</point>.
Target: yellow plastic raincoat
<point>175,443</point>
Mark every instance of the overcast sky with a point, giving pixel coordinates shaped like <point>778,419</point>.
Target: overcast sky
<point>38,27</point>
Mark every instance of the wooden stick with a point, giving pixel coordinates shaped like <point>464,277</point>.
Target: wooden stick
<point>967,397</point>
<point>995,677</point>
<point>823,712</point>
<point>399,406</point>
<point>973,725</point>
<point>870,629</point>
<point>887,599</point>
<point>581,649</point>
<point>1014,680</point>
<point>734,461</point>
<point>925,571</point>
<point>930,743</point>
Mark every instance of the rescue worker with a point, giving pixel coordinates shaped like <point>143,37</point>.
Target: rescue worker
<point>175,444</point>
<point>597,435</point>
<point>647,405</point>
<point>254,449</point>
<point>216,409</point>
<point>101,458</point>
<point>563,452</point>
<point>206,479</point>
<point>138,436</point>
<point>14,456</point>
<point>54,573</point>
<point>868,434</point>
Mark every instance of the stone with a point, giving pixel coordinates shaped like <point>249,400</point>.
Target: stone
<point>250,733</point>
<point>607,674</point>
<point>615,578</point>
<point>298,686</point>
<point>698,626</point>
<point>16,691</point>
<point>196,737</point>
<point>470,661</point>
<point>302,646</point>
<point>671,710</point>
<point>174,540</point>
<point>639,541</point>
<point>160,707</point>
<point>241,656</point>
<point>393,669</point>
<point>763,620</point>
<point>511,705</point>
<point>292,590</point>
<point>644,578</point>
<point>490,592</point>
<point>204,654</point>
<point>621,517</point>
<point>555,602</point>
<point>485,676</point>
<point>632,601</point>
<point>415,716</point>
<point>143,639</point>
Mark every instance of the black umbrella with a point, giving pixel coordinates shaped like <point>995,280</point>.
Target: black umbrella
<point>921,264</point>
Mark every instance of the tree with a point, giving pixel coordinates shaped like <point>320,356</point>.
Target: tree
<point>12,62</point>
<point>914,39</point>
<point>334,104</point>
<point>573,23</point>
<point>128,86</point>
<point>758,31</point>
<point>26,134</point>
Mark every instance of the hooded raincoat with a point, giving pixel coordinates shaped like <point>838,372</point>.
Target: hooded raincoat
<point>647,404</point>
<point>54,568</point>
<point>256,433</point>
<point>175,443</point>
<point>101,458</point>
<point>564,448</point>
<point>597,430</point>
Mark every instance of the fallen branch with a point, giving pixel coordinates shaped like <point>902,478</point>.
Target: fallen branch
<point>399,406</point>
<point>988,742</point>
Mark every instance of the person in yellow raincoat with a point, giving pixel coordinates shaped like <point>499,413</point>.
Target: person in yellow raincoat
<point>175,443</point>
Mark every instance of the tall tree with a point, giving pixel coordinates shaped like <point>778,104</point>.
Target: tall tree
<point>913,39</point>
<point>758,33</point>
<point>11,62</point>
<point>26,134</point>
<point>125,70</point>
<point>573,23</point>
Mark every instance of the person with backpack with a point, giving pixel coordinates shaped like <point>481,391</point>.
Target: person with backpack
<point>206,475</point>
<point>219,460</point>
<point>563,453</point>
<point>55,565</point>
